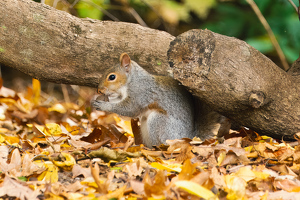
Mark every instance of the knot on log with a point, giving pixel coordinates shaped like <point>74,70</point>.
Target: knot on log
<point>256,99</point>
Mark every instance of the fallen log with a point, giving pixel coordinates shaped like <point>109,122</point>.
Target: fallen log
<point>55,46</point>
<point>238,81</point>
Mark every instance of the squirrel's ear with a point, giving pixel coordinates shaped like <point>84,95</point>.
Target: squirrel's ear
<point>125,61</point>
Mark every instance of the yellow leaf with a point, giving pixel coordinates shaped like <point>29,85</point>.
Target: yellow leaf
<point>156,198</point>
<point>7,101</point>
<point>2,112</point>
<point>265,137</point>
<point>196,189</point>
<point>50,174</point>
<point>221,157</point>
<point>265,196</point>
<point>201,8</point>
<point>125,125</point>
<point>54,196</point>
<point>53,129</point>
<point>10,139</point>
<point>36,89</point>
<point>77,195</point>
<point>4,130</point>
<point>90,182</point>
<point>2,139</point>
<point>68,162</point>
<point>58,108</point>
<point>236,187</point>
<point>134,198</point>
<point>261,175</point>
<point>24,104</point>
<point>168,167</point>
<point>249,148</point>
<point>41,130</point>
<point>245,173</point>
<point>65,145</point>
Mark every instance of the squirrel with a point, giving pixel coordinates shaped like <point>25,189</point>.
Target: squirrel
<point>165,108</point>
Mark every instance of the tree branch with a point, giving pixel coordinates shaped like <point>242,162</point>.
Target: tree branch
<point>51,45</point>
<point>238,81</point>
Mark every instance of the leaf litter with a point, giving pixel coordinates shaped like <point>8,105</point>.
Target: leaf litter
<point>63,150</point>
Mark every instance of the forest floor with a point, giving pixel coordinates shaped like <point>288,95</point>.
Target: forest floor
<point>54,149</point>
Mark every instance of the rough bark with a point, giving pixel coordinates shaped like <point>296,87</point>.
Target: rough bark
<point>238,81</point>
<point>54,46</point>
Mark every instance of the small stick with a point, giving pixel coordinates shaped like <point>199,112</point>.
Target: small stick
<point>270,33</point>
<point>65,93</point>
<point>137,17</point>
<point>291,2</point>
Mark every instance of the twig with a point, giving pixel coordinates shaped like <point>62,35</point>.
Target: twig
<point>74,3</point>
<point>65,93</point>
<point>291,2</point>
<point>55,2</point>
<point>127,8</point>
<point>156,12</point>
<point>137,17</point>
<point>270,33</point>
<point>102,10</point>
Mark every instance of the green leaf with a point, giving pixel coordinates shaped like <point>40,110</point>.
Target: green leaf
<point>201,8</point>
<point>88,8</point>
<point>22,178</point>
<point>262,44</point>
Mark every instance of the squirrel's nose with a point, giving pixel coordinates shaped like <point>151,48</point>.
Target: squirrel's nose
<point>101,90</point>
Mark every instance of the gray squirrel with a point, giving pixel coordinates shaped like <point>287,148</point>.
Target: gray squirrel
<point>166,110</point>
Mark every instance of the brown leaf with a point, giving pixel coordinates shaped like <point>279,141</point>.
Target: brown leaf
<point>107,154</point>
<point>136,167</point>
<point>154,187</point>
<point>78,170</point>
<point>94,136</point>
<point>102,187</point>
<point>203,150</point>
<point>117,194</point>
<point>7,93</point>
<point>284,153</point>
<point>288,185</point>
<point>14,188</point>
<point>137,186</point>
<point>184,146</point>
<point>188,170</point>
<point>77,186</point>
<point>217,177</point>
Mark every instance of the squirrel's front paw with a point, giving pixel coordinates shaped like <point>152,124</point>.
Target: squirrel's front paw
<point>96,104</point>
<point>102,103</point>
<point>99,101</point>
<point>102,97</point>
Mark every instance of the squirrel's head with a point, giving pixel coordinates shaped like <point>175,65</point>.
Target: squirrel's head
<point>115,78</point>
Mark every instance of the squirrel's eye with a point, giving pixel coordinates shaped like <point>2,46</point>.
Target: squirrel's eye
<point>112,77</point>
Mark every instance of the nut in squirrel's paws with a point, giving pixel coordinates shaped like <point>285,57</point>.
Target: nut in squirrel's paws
<point>102,97</point>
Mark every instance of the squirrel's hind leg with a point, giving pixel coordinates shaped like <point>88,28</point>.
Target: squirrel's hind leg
<point>153,128</point>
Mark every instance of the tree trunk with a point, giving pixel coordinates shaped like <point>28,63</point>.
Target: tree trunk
<point>54,46</point>
<point>238,81</point>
